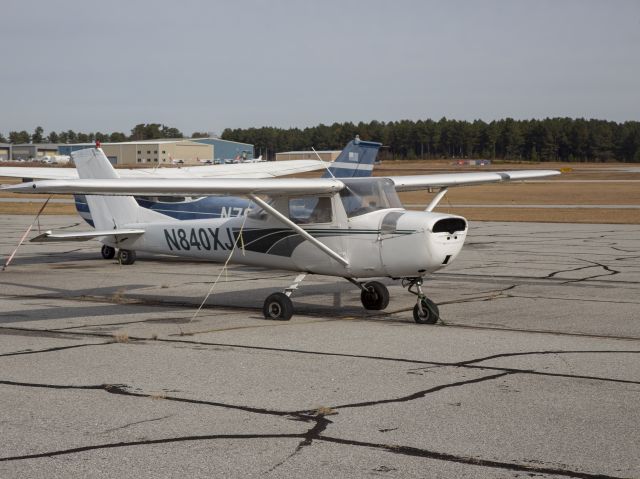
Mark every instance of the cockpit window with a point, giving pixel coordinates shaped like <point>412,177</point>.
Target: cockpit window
<point>367,195</point>
<point>311,209</point>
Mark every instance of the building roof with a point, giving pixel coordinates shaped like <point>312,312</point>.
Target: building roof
<point>134,142</point>
<point>50,146</point>
<point>307,152</point>
<point>220,140</point>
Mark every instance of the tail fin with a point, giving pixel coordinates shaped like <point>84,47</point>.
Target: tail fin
<point>356,160</point>
<point>110,212</point>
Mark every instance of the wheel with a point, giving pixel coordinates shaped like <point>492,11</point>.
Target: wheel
<point>108,252</point>
<point>278,306</point>
<point>430,312</point>
<point>374,296</point>
<point>126,256</point>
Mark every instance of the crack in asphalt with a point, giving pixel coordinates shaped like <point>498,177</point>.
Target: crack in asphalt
<point>473,461</point>
<point>144,421</point>
<point>423,393</point>
<point>608,269</point>
<point>146,442</point>
<point>540,353</point>
<point>50,350</point>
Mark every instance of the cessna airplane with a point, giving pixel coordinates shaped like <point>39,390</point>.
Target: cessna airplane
<point>352,228</point>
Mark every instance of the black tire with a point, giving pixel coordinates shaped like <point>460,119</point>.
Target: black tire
<point>126,256</point>
<point>108,252</point>
<point>374,296</point>
<point>430,312</point>
<point>278,306</point>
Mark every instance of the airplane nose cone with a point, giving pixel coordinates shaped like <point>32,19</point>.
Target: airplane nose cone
<point>445,238</point>
<point>421,242</point>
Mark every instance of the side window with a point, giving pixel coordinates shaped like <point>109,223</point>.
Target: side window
<point>310,210</point>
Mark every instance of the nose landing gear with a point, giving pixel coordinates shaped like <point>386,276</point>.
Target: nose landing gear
<point>425,311</point>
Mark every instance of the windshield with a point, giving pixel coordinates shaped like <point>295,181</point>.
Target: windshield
<point>367,195</point>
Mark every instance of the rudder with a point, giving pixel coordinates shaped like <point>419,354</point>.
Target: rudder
<point>355,161</point>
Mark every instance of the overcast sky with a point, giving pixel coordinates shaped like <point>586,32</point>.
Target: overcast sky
<point>207,65</point>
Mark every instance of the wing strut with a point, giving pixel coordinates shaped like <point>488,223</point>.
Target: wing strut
<point>436,199</point>
<point>321,246</point>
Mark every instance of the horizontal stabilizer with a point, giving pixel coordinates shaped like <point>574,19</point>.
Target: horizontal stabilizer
<point>49,236</point>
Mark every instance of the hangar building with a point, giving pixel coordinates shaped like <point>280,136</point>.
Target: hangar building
<point>228,150</point>
<point>325,155</point>
<point>5,151</point>
<point>156,152</point>
<point>167,151</point>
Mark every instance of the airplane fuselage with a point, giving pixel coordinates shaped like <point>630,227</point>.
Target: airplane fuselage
<point>391,242</point>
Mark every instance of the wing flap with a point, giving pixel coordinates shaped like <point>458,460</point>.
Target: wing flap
<point>49,237</point>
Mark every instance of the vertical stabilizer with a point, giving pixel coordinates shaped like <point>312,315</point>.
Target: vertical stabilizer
<point>355,161</point>
<point>110,212</point>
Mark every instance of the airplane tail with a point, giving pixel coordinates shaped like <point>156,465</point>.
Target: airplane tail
<point>356,160</point>
<point>109,212</point>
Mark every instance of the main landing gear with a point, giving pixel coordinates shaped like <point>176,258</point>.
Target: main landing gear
<point>108,252</point>
<point>125,256</point>
<point>278,306</point>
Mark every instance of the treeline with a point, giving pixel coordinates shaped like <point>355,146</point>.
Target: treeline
<point>551,139</point>
<point>142,131</point>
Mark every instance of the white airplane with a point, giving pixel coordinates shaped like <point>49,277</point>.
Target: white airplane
<point>352,228</point>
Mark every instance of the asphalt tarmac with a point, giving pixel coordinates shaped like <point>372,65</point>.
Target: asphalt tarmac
<point>114,371</point>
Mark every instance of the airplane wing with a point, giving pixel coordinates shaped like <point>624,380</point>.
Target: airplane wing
<point>267,169</point>
<point>270,186</point>
<point>445,180</point>
<point>49,236</point>
<point>179,186</point>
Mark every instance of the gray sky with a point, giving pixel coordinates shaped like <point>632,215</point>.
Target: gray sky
<point>206,65</point>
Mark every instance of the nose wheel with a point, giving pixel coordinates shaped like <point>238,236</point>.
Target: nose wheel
<point>425,311</point>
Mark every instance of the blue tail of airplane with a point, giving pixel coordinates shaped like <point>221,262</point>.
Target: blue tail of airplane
<point>355,161</point>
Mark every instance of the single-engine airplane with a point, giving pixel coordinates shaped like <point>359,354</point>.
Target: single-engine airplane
<point>352,228</point>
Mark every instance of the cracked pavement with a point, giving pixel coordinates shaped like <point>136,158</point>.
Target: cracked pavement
<point>534,371</point>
